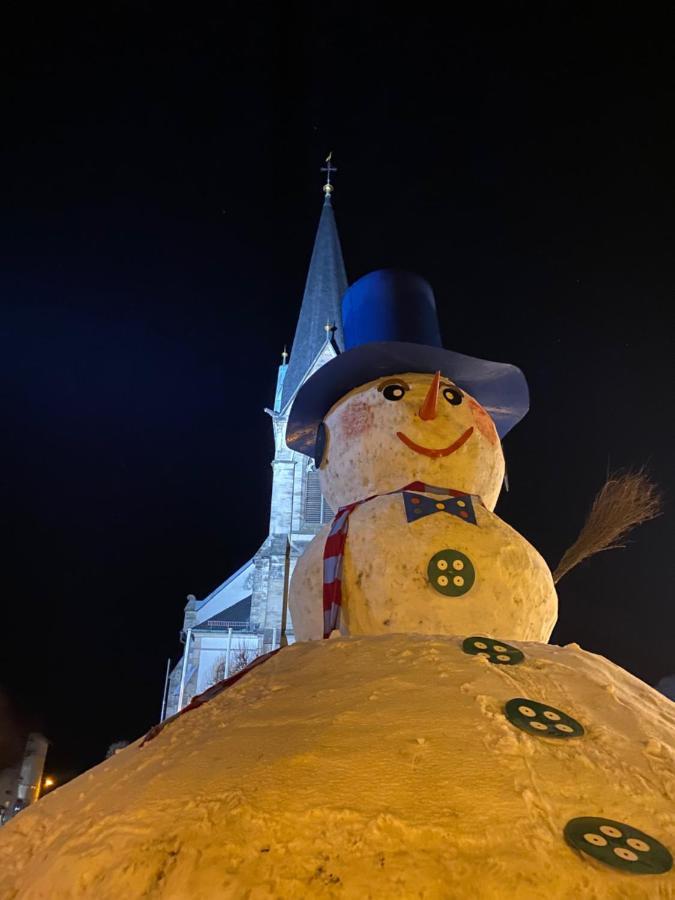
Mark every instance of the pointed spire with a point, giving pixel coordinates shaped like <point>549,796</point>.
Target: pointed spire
<point>281,375</point>
<point>321,303</point>
<point>329,168</point>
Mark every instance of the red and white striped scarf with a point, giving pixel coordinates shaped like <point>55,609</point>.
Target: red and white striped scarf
<point>333,552</point>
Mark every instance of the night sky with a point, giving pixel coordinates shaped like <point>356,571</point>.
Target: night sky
<point>160,194</point>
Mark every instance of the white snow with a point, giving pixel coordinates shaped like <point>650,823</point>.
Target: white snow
<point>364,767</point>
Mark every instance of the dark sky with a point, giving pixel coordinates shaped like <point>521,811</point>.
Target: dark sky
<point>160,192</point>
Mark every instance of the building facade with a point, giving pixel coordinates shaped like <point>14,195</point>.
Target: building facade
<point>246,614</point>
<point>21,784</point>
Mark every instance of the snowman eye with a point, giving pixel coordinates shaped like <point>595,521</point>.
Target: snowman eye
<point>452,395</point>
<point>393,392</point>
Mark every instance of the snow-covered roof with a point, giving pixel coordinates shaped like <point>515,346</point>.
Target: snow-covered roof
<point>237,587</point>
<point>231,617</point>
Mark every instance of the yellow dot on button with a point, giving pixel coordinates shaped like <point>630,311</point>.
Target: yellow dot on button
<point>526,711</point>
<point>610,831</point>
<point>457,565</point>
<point>623,853</point>
<point>596,839</point>
<point>442,580</point>
<point>564,728</point>
<point>480,645</point>
<point>440,506</point>
<point>637,844</point>
<point>549,714</point>
<point>442,564</point>
<point>538,725</point>
<point>458,580</point>
<point>500,649</point>
<point>503,657</point>
<point>461,503</point>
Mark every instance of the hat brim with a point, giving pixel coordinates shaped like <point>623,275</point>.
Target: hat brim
<point>500,387</point>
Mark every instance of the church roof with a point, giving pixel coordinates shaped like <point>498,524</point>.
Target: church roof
<point>226,595</point>
<point>235,617</point>
<point>325,285</point>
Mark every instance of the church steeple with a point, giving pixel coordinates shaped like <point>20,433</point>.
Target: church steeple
<point>253,599</point>
<point>325,285</point>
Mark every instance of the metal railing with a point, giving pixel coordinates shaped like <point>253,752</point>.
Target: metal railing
<point>224,624</point>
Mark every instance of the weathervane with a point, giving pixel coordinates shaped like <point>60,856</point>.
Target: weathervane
<point>329,168</point>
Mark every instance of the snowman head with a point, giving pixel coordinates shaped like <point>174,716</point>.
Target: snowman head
<point>411,426</point>
<point>396,406</point>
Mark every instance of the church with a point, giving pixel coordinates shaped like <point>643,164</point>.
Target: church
<point>245,616</point>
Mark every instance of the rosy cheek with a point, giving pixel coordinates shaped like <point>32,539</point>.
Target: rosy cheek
<point>484,422</point>
<point>356,419</point>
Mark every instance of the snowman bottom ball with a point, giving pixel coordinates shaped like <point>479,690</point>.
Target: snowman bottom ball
<point>391,766</point>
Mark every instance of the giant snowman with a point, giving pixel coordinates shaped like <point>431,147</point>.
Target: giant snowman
<point>422,739</point>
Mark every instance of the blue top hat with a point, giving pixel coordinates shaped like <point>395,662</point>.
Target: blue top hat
<point>391,326</point>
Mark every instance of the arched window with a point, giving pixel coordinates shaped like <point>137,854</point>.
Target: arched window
<point>315,509</point>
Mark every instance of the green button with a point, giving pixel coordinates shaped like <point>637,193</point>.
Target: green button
<point>618,845</point>
<point>498,652</point>
<point>541,720</point>
<point>451,573</point>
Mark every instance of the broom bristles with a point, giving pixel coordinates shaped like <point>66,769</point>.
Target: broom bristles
<point>626,500</point>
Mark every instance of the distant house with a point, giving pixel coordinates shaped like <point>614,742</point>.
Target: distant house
<point>21,783</point>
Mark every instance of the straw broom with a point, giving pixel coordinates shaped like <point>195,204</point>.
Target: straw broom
<point>627,499</point>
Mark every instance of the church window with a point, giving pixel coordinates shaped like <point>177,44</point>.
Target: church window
<point>316,511</point>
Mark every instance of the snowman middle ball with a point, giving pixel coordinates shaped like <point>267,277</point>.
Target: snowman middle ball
<point>379,438</point>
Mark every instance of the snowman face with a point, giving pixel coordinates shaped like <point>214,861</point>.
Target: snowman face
<point>409,427</point>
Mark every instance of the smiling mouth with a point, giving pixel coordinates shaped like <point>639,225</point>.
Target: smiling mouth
<point>429,451</point>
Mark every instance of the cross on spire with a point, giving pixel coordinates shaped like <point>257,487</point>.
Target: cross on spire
<point>329,168</point>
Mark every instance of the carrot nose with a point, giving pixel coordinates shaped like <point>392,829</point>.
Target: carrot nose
<point>428,408</point>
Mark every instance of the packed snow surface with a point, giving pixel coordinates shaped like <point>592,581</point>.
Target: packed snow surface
<point>360,767</point>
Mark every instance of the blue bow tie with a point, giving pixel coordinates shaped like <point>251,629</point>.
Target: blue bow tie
<point>417,506</point>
